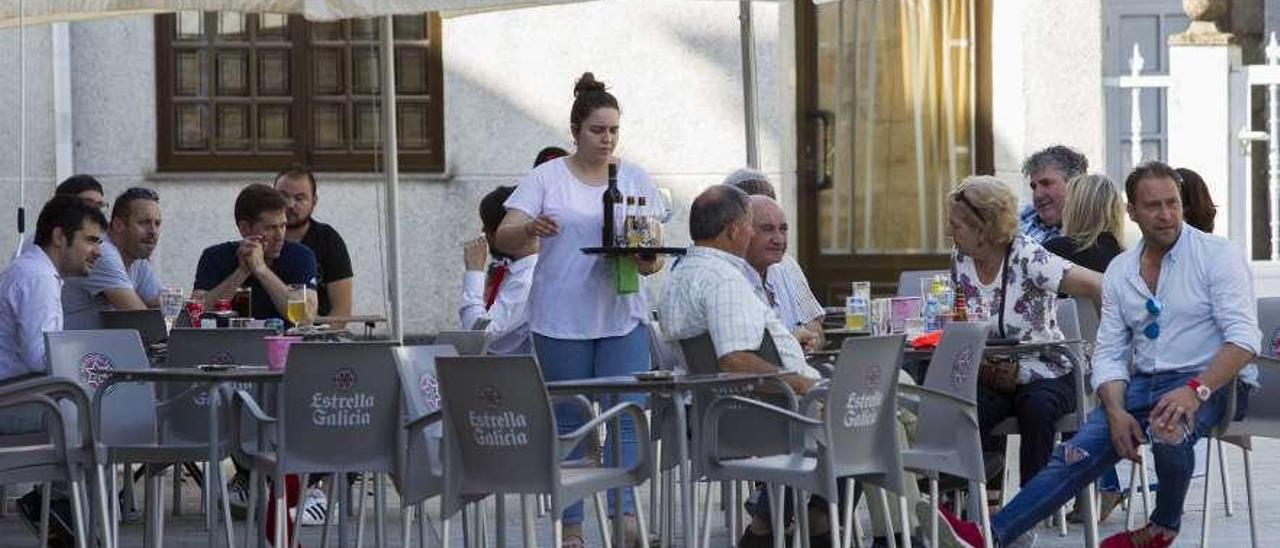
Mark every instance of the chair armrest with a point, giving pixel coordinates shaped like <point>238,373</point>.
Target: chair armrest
<point>47,392</point>
<point>711,417</point>
<point>567,442</point>
<point>969,408</point>
<point>815,395</point>
<point>793,402</point>
<point>418,423</point>
<point>240,401</point>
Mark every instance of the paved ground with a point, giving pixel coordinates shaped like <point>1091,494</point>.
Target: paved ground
<point>187,530</point>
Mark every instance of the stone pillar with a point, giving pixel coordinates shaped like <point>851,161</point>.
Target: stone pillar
<point>1204,107</point>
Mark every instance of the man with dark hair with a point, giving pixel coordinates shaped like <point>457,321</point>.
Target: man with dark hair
<point>122,278</point>
<point>497,299</point>
<point>84,186</point>
<point>336,280</point>
<point>68,233</point>
<point>263,260</point>
<point>1048,171</point>
<point>1175,339</point>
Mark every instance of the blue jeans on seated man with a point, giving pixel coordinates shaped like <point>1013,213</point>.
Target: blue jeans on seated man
<point>1090,453</point>
<point>565,359</point>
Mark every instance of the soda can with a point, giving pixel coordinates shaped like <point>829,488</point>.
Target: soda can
<point>222,305</point>
<point>195,308</point>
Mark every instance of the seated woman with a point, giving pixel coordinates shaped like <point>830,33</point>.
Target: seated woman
<point>1093,234</point>
<point>1198,209</point>
<point>1017,282</point>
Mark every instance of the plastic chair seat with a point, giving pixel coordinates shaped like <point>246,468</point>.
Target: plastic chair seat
<point>762,467</point>
<point>592,480</point>
<point>1009,427</point>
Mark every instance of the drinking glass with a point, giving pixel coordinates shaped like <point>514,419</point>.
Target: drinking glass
<point>881,317</point>
<point>171,300</point>
<point>855,307</point>
<point>297,307</point>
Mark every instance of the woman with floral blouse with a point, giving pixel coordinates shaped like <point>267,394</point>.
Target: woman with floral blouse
<point>1015,282</point>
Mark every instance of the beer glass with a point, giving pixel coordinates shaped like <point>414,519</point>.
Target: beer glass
<point>856,306</point>
<point>170,305</point>
<point>297,306</point>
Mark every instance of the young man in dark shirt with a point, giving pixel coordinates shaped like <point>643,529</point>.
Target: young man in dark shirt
<point>263,260</point>
<point>335,283</point>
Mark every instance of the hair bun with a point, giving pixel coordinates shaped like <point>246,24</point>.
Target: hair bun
<point>587,83</point>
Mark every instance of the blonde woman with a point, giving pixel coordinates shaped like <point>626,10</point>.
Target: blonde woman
<point>1010,275</point>
<point>1092,223</point>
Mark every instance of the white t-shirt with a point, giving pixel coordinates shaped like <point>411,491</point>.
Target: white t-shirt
<point>574,295</point>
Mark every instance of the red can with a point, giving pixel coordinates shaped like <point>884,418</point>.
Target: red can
<point>222,305</point>
<point>194,309</point>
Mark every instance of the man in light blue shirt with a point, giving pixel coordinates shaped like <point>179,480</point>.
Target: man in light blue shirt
<point>1182,302</point>
<point>68,232</point>
<point>122,278</point>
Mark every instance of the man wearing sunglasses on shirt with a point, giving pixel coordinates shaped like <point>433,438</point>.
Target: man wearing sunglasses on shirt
<point>1182,302</point>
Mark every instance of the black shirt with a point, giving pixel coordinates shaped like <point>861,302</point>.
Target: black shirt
<point>332,258</point>
<point>295,265</point>
<point>1096,258</point>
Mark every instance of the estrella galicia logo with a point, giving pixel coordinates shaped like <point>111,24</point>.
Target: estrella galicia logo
<point>222,358</point>
<point>344,379</point>
<point>873,378</point>
<point>489,397</point>
<point>94,369</point>
<point>962,369</point>
<point>430,391</point>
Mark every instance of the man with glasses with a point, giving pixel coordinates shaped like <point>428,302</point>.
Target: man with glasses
<point>336,279</point>
<point>1182,303</point>
<point>122,278</point>
<point>86,187</point>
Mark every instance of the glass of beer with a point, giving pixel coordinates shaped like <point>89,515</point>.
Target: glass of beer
<point>297,307</point>
<point>171,300</point>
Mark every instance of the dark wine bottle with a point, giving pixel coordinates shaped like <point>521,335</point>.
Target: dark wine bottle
<point>612,198</point>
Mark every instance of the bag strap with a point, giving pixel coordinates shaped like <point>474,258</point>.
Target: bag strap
<point>1004,286</point>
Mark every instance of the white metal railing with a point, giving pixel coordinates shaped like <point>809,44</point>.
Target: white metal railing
<point>1135,82</point>
<point>1268,75</point>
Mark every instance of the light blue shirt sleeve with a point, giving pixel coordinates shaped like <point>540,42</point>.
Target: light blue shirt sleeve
<point>1234,309</point>
<point>1110,354</point>
<point>40,310</point>
<point>108,273</point>
<point>145,281</point>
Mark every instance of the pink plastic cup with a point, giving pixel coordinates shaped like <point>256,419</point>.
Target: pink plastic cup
<point>278,350</point>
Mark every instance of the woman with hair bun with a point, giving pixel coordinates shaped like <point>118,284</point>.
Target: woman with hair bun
<point>582,326</point>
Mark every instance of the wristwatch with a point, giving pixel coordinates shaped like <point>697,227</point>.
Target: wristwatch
<point>1202,392</point>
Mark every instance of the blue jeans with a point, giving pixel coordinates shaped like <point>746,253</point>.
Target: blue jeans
<point>1092,454</point>
<point>565,359</point>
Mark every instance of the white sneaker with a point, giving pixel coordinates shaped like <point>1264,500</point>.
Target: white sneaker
<point>315,508</point>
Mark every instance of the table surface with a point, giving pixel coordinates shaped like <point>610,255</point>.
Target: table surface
<point>351,319</point>
<point>195,374</point>
<point>1025,346</point>
<point>629,383</point>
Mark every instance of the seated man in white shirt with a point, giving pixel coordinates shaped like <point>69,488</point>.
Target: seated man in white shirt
<point>1182,302</point>
<point>787,296</point>
<point>775,273</point>
<point>68,232</point>
<point>497,298</point>
<point>122,278</point>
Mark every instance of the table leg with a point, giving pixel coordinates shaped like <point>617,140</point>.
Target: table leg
<point>686,479</point>
<point>212,476</point>
<point>615,446</point>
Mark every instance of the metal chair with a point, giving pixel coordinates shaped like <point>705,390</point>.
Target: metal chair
<point>947,439</point>
<point>1262,419</point>
<point>909,281</point>
<point>338,412</point>
<point>501,437</point>
<point>857,437</point>
<point>467,343</point>
<point>62,452</point>
<point>128,415</point>
<point>420,467</point>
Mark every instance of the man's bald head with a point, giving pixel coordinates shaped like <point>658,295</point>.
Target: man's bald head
<point>720,217</point>
<point>769,241</point>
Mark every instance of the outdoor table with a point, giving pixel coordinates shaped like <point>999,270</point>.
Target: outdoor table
<point>370,321</point>
<point>669,387</point>
<point>213,379</point>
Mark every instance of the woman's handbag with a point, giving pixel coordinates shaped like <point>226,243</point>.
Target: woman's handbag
<point>1000,374</point>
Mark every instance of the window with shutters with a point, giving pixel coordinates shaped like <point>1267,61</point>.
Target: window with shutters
<point>256,92</point>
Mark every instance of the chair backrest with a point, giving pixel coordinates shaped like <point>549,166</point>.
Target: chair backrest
<point>339,408</point>
<point>1087,316</point>
<point>467,343</point>
<point>189,347</point>
<point>954,369</point>
<point>700,353</point>
<point>861,411</point>
<point>85,357</point>
<point>909,281</point>
<point>149,323</point>
<point>419,473</point>
<point>745,431</point>
<point>499,430</point>
<point>1269,324</point>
